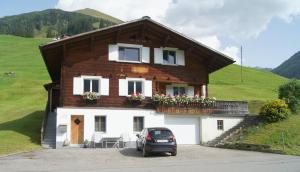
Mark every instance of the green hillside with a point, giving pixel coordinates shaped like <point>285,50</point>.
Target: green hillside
<point>98,14</point>
<point>54,22</point>
<point>23,98</point>
<point>290,68</point>
<point>257,84</point>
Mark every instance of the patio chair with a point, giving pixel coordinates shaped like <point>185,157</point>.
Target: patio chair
<point>97,138</point>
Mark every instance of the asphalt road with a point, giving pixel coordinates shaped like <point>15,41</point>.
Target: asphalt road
<point>189,158</point>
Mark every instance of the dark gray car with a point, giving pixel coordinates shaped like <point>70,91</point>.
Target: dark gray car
<point>152,140</point>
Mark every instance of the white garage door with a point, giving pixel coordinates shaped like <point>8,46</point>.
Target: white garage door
<point>185,129</point>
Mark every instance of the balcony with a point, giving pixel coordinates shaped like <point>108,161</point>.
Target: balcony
<point>219,107</point>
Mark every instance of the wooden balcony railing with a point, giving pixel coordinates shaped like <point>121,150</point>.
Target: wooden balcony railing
<point>233,108</point>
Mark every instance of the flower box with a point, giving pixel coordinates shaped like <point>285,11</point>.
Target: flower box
<point>90,97</point>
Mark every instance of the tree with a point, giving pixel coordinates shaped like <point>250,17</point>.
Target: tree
<point>290,92</point>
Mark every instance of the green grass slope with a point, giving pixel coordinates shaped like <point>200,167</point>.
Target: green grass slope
<point>23,98</point>
<point>283,135</point>
<point>257,84</point>
<point>98,14</point>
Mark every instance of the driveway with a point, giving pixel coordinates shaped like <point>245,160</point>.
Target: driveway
<point>189,158</point>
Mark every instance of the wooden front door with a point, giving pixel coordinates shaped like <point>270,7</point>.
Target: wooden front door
<point>77,129</point>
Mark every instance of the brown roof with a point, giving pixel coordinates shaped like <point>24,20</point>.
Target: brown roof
<point>52,52</point>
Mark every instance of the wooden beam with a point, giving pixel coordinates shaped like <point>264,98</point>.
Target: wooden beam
<point>92,43</point>
<point>166,40</point>
<point>142,32</point>
<point>117,36</point>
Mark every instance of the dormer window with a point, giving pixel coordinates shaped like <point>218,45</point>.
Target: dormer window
<point>129,54</point>
<point>169,57</point>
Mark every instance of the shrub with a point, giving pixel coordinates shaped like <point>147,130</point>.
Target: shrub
<point>274,111</point>
<point>290,93</point>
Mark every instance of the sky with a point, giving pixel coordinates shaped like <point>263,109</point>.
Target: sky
<point>268,30</point>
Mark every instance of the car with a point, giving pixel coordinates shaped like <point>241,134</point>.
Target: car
<point>156,140</point>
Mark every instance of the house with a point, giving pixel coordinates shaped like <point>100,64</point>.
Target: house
<point>138,57</point>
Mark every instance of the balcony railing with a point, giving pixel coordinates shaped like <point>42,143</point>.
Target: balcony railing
<point>233,108</point>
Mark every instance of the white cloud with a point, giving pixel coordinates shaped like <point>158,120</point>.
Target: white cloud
<point>122,9</point>
<point>204,20</point>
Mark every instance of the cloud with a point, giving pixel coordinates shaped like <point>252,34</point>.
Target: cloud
<point>204,20</point>
<point>122,9</point>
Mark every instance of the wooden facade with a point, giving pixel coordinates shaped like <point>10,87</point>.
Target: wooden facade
<point>87,54</point>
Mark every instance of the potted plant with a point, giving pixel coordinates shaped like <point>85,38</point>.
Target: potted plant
<point>90,97</point>
<point>136,98</point>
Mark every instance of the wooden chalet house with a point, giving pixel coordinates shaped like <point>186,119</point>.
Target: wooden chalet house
<point>113,82</point>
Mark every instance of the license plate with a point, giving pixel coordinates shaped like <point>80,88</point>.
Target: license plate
<point>162,141</point>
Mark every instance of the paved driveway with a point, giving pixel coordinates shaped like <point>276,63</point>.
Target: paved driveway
<point>189,158</point>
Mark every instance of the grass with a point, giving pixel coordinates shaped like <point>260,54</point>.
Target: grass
<point>283,135</point>
<point>23,98</point>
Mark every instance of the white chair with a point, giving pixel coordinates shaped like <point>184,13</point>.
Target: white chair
<point>125,138</point>
<point>97,138</point>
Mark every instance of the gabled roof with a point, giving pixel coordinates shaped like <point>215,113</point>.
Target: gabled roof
<point>52,60</point>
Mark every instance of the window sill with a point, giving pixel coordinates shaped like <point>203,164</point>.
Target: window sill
<point>125,61</point>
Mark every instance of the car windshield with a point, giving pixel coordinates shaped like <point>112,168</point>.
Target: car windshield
<point>160,134</point>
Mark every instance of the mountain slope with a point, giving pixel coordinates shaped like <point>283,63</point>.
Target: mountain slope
<point>98,14</point>
<point>52,23</point>
<point>257,84</point>
<point>23,98</point>
<point>290,68</point>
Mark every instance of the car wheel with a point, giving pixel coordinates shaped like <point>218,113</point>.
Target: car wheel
<point>145,154</point>
<point>174,153</point>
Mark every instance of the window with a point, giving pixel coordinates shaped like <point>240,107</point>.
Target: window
<point>179,91</point>
<point>135,87</point>
<point>169,57</point>
<point>91,85</point>
<point>138,124</point>
<point>100,123</point>
<point>129,54</point>
<point>220,124</point>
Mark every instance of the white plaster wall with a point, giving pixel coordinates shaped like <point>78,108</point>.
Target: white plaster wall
<point>118,121</point>
<point>209,130</point>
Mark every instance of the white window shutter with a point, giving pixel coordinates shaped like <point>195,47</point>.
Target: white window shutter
<point>190,91</point>
<point>158,55</point>
<point>148,88</point>
<point>169,90</point>
<point>123,87</point>
<point>113,53</point>
<point>180,57</point>
<point>104,87</point>
<point>77,86</point>
<point>146,55</point>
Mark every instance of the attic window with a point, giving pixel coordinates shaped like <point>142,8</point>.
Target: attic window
<point>129,54</point>
<point>169,57</point>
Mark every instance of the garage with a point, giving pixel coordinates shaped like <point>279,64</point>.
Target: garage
<point>185,129</point>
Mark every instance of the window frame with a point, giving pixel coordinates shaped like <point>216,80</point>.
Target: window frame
<point>220,125</point>
<point>179,90</point>
<point>105,127</point>
<point>143,124</point>
<point>134,86</point>
<point>133,46</point>
<point>91,83</point>
<point>175,58</point>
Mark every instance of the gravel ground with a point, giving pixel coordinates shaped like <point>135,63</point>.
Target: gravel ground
<point>189,158</point>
